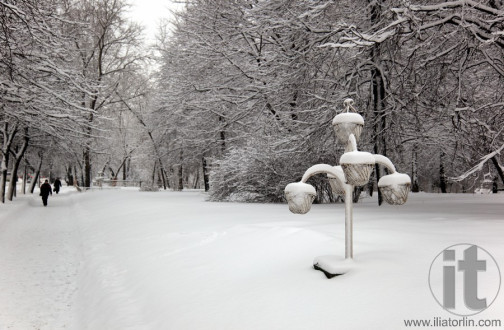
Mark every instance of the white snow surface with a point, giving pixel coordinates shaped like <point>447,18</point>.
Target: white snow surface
<point>357,157</point>
<point>348,117</point>
<point>124,259</point>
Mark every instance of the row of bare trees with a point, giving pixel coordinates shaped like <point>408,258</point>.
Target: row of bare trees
<point>250,87</point>
<point>243,93</point>
<point>71,77</point>
<point>38,84</point>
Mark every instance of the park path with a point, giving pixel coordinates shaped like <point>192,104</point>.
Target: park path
<point>40,256</point>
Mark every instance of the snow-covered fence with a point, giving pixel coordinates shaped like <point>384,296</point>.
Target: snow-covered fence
<point>111,183</point>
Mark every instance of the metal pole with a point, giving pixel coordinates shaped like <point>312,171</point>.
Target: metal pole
<point>348,221</point>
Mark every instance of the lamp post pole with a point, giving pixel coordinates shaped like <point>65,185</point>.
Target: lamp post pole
<point>349,221</point>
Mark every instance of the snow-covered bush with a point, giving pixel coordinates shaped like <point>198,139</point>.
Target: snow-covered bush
<point>260,171</point>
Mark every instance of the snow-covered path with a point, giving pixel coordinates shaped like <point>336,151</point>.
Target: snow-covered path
<point>39,260</point>
<point>124,259</point>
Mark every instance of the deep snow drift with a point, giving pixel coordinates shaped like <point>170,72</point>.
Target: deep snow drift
<point>124,259</point>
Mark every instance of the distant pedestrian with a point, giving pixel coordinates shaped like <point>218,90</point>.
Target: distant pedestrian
<point>45,191</point>
<point>57,185</point>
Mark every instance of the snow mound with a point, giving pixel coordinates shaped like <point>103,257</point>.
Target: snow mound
<point>334,265</point>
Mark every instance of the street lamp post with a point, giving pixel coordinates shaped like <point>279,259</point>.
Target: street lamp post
<point>354,170</point>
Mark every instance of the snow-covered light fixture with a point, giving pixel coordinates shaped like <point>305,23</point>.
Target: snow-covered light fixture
<point>394,186</point>
<point>354,170</point>
<point>347,123</point>
<point>300,197</point>
<point>357,165</point>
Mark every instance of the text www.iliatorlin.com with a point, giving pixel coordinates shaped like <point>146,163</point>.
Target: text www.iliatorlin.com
<point>451,322</point>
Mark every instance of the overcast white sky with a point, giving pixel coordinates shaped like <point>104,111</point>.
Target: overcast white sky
<point>149,12</point>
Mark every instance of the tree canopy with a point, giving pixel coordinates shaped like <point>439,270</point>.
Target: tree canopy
<point>240,95</point>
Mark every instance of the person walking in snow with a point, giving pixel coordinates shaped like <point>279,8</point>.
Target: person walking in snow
<point>57,185</point>
<point>45,190</point>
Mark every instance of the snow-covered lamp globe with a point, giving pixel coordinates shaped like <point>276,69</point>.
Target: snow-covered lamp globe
<point>347,123</point>
<point>357,165</point>
<point>395,188</point>
<point>300,197</point>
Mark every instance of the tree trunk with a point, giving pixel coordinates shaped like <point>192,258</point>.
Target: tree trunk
<point>25,177</point>
<point>442,175</point>
<point>160,161</point>
<point>70,177</point>
<point>34,182</point>
<point>87,167</point>
<point>8,138</point>
<point>154,174</point>
<point>159,174</point>
<point>121,167</point>
<point>356,194</point>
<point>195,184</point>
<point>166,184</point>
<point>498,168</point>
<point>37,173</point>
<point>206,179</point>
<point>11,190</point>
<point>414,170</point>
<point>180,185</point>
<point>86,172</point>
<point>378,95</point>
<point>378,126</point>
<point>3,177</point>
<point>125,168</point>
<point>76,182</point>
<point>222,135</point>
<point>17,160</point>
<point>370,185</point>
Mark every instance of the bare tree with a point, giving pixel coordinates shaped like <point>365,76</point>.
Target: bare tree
<point>108,48</point>
<point>37,82</point>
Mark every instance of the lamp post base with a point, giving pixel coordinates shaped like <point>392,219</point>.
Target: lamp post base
<point>333,266</point>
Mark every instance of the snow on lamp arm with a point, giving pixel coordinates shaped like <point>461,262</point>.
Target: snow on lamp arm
<point>355,170</point>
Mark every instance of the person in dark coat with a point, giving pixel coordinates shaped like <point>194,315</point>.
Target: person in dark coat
<point>57,185</point>
<point>45,191</point>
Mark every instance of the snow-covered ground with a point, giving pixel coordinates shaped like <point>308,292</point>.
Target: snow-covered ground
<point>124,259</point>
